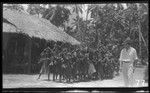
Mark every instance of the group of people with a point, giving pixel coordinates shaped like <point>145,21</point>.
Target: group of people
<point>82,64</point>
<point>73,65</point>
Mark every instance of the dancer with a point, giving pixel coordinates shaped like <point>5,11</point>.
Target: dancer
<point>45,59</point>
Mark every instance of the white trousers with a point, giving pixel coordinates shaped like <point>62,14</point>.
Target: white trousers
<point>128,74</point>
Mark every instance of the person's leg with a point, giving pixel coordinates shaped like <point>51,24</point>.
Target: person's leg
<point>39,76</point>
<point>48,76</point>
<point>41,71</point>
<point>54,73</point>
<point>60,76</point>
<point>48,73</point>
<point>125,77</point>
<point>130,76</point>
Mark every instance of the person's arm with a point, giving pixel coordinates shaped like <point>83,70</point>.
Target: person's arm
<point>120,59</point>
<point>121,63</point>
<point>135,57</point>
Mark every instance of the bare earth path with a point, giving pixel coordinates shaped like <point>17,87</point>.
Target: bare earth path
<point>30,81</point>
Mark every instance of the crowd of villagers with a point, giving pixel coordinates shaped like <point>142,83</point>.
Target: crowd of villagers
<point>73,63</point>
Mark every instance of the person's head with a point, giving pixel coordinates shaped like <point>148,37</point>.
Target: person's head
<point>127,43</point>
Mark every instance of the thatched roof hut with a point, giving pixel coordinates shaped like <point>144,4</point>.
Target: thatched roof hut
<point>35,27</point>
<point>16,22</point>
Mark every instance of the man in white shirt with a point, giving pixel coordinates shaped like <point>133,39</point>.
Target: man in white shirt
<point>127,58</point>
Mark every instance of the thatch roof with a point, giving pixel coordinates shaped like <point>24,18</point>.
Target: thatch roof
<point>9,28</point>
<point>34,27</point>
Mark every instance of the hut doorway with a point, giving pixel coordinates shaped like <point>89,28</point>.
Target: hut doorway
<point>13,52</point>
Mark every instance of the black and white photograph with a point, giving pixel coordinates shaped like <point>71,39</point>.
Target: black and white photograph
<point>97,45</point>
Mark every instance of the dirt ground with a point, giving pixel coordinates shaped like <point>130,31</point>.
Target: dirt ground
<point>30,81</point>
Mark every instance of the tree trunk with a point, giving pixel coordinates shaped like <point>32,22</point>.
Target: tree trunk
<point>139,40</point>
<point>143,40</point>
<point>97,33</point>
<point>78,25</point>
